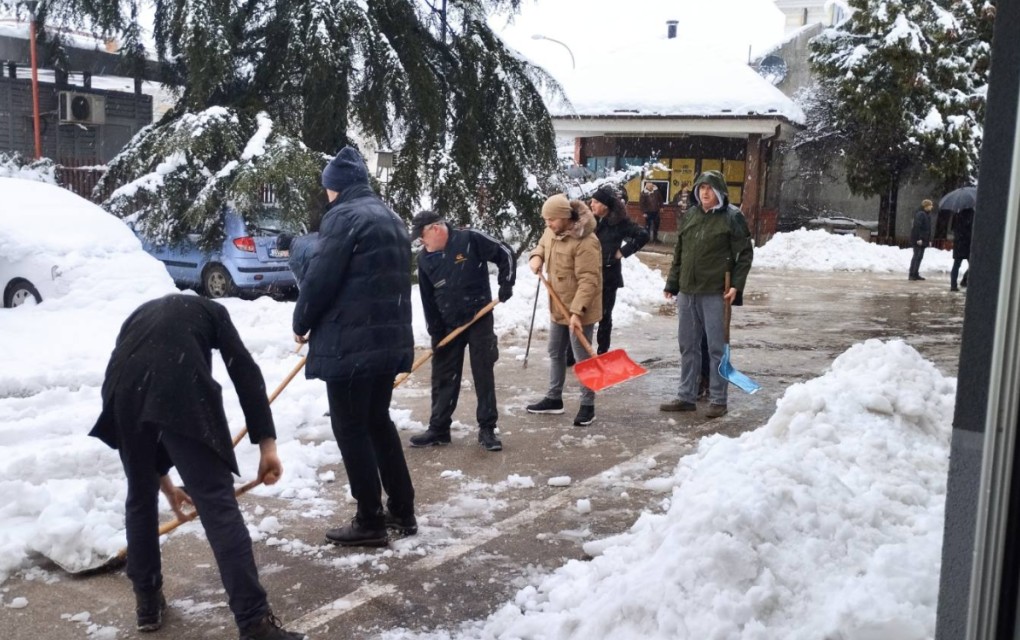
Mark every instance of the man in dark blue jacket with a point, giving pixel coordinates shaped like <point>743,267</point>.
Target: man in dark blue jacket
<point>354,310</point>
<point>453,278</point>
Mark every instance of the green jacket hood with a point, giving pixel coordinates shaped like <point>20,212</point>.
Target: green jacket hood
<point>715,180</point>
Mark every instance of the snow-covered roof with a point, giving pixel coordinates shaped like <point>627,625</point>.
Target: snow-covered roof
<point>669,79</point>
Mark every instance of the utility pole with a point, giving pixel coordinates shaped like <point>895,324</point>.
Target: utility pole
<point>31,6</point>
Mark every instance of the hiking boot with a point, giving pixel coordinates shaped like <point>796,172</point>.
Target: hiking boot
<point>546,405</point>
<point>715,411</point>
<point>585,415</point>
<point>487,438</point>
<point>404,525</point>
<point>431,439</point>
<point>149,608</point>
<point>357,535</point>
<point>677,405</point>
<point>269,628</point>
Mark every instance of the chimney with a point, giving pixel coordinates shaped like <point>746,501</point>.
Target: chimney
<point>671,29</point>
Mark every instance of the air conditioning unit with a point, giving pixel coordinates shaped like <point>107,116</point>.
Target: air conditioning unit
<point>82,108</point>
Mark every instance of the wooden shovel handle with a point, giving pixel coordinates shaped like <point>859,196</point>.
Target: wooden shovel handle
<point>562,308</point>
<point>167,527</point>
<point>423,358</point>
<point>279,388</point>
<point>727,310</point>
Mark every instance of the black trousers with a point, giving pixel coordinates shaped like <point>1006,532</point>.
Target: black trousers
<point>372,452</point>
<point>915,262</point>
<point>652,225</point>
<point>605,330</point>
<point>956,272</point>
<point>210,483</point>
<point>448,370</point>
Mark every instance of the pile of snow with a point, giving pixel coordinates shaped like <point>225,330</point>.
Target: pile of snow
<point>825,522</point>
<point>817,250</point>
<point>39,171</point>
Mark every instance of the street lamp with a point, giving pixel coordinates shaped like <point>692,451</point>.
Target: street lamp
<point>31,6</point>
<point>539,36</point>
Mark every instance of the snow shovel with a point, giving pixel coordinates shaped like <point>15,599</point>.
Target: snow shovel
<point>726,369</point>
<point>167,527</point>
<point>423,358</point>
<point>599,371</point>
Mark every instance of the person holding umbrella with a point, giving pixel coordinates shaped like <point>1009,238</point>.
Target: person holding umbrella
<point>920,238</point>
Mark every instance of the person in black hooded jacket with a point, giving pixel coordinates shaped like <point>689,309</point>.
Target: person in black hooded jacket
<point>354,311</point>
<point>620,238</point>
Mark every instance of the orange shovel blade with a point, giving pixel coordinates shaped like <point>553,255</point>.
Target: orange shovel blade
<point>612,367</point>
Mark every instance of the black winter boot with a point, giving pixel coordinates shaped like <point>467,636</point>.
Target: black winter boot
<point>269,628</point>
<point>149,608</point>
<point>487,438</point>
<point>430,439</point>
<point>358,535</point>
<point>405,526</point>
<point>585,415</point>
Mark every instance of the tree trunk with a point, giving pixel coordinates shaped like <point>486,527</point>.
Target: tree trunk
<point>887,214</point>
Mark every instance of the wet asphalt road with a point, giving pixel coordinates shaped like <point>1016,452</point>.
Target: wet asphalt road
<point>482,534</point>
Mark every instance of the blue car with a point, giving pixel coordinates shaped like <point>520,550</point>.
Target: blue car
<point>249,263</point>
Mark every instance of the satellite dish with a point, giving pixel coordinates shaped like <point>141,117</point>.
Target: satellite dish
<point>773,68</point>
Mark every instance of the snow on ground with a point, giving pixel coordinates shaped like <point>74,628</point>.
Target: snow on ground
<point>826,522</point>
<point>818,250</point>
<point>857,478</point>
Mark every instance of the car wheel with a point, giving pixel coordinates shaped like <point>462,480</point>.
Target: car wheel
<point>19,292</point>
<point>217,283</point>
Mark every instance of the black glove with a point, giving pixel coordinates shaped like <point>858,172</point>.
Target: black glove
<point>505,291</point>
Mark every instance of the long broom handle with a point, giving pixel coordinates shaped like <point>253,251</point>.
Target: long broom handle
<point>422,359</point>
<point>531,327</point>
<point>562,308</point>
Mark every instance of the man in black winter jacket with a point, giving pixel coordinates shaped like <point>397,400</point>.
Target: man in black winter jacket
<point>920,238</point>
<point>354,310</point>
<point>162,408</point>
<point>453,278</point>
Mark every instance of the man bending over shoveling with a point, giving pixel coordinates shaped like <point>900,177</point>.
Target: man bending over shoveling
<point>162,408</point>
<point>453,278</point>
<point>712,241</point>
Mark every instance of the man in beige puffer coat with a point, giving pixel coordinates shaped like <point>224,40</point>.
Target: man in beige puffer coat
<point>572,256</point>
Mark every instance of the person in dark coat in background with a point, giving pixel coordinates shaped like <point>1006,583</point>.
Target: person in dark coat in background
<point>453,279</point>
<point>354,311</point>
<point>620,238</point>
<point>651,203</point>
<point>920,238</point>
<point>162,408</point>
<point>963,222</point>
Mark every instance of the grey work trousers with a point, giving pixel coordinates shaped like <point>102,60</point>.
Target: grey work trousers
<point>560,337</point>
<point>700,313</point>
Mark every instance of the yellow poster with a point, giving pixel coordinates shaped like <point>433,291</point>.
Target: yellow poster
<point>734,171</point>
<point>711,165</point>
<point>632,190</point>
<point>735,194</point>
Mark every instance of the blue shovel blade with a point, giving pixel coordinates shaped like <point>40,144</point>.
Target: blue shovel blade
<point>727,371</point>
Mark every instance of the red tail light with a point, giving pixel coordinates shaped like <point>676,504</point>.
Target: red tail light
<point>247,243</point>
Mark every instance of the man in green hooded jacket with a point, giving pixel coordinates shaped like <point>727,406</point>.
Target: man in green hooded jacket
<point>712,240</point>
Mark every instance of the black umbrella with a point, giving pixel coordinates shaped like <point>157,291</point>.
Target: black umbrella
<point>958,200</point>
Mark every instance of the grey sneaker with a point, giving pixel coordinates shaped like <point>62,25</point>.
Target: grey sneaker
<point>677,405</point>
<point>715,411</point>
